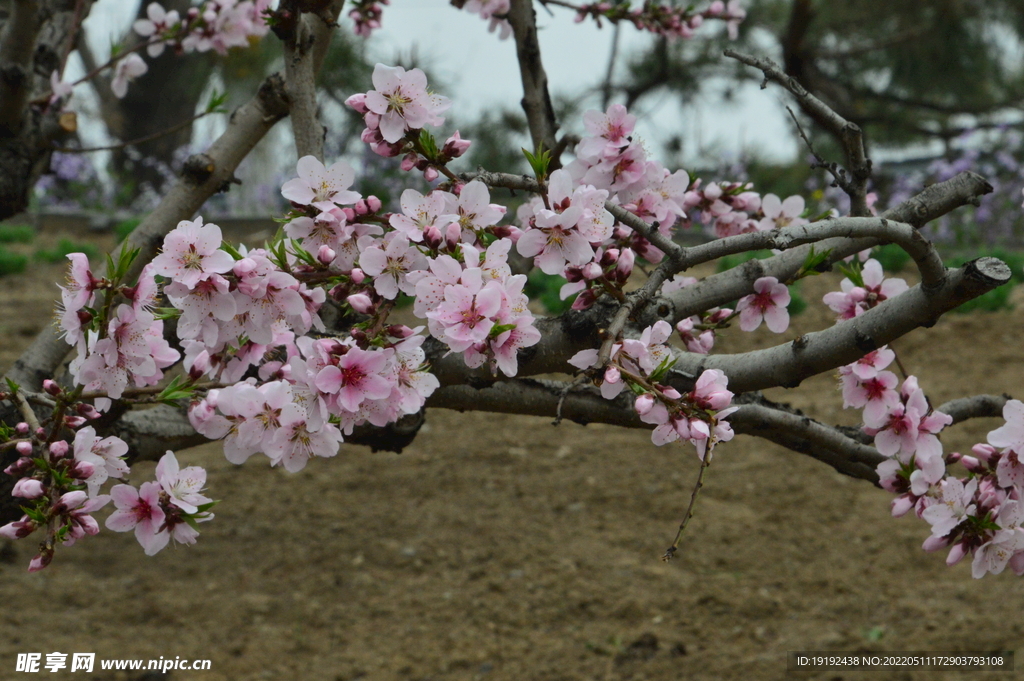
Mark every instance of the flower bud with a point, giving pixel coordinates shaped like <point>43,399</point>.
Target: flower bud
<point>956,554</point>
<point>409,161</point>
<point>901,505</point>
<point>644,404</point>
<point>432,237</point>
<point>361,303</point>
<point>58,449</point>
<point>374,203</point>
<point>712,192</point>
<point>430,174</point>
<point>21,429</point>
<point>357,102</point>
<point>399,331</point>
<point>20,467</point>
<point>24,448</point>
<point>357,275</point>
<point>74,422</point>
<point>573,274</point>
<point>455,146</point>
<point>972,464</point>
<point>82,470</point>
<point>52,387</point>
<point>40,561</point>
<point>585,300</point>
<point>72,500</point>
<point>932,544</point>
<point>326,255</point>
<point>592,271</point>
<point>28,488</point>
<point>671,393</point>
<point>87,410</point>
<point>610,257</point>
<point>452,235</point>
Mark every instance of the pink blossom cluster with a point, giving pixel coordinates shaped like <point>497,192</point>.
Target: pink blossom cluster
<point>697,416</point>
<point>870,289</point>
<point>366,16</point>
<point>215,25</point>
<point>129,348</point>
<point>493,11</point>
<point>397,109</point>
<point>698,332</point>
<point>60,488</point>
<point>672,21</point>
<point>232,311</point>
<point>980,515</point>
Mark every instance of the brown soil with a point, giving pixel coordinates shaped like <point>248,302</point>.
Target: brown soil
<point>499,547</point>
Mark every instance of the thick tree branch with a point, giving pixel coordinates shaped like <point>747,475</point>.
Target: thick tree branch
<point>311,35</point>
<point>852,138</point>
<point>17,44</point>
<point>756,416</point>
<point>540,114</point>
<point>976,406</point>
<point>789,364</point>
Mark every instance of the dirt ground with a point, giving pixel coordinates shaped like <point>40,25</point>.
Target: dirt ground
<point>502,548</point>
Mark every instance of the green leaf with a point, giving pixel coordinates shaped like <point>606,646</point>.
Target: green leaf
<point>164,313</point>
<point>178,389</point>
<point>216,103</point>
<point>499,329</point>
<point>539,161</point>
<point>231,250</point>
<point>428,145</point>
<point>659,373</point>
<point>12,386</point>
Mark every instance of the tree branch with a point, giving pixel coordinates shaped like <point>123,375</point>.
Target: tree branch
<point>787,365</point>
<point>976,406</point>
<point>849,133</point>
<point>17,44</point>
<point>540,114</point>
<point>311,33</point>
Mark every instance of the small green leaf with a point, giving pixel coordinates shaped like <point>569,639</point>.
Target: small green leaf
<point>12,386</point>
<point>499,329</point>
<point>663,368</point>
<point>539,161</point>
<point>231,250</point>
<point>216,103</point>
<point>428,145</point>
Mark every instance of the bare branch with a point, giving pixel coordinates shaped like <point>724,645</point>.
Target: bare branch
<point>756,416</point>
<point>789,364</point>
<point>853,139</point>
<point>300,75</point>
<point>540,115</point>
<point>904,235</point>
<point>976,406</point>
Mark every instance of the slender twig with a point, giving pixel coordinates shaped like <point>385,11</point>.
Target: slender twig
<point>704,463</point>
<point>139,140</point>
<point>852,138</point>
<point>540,114</point>
<point>26,411</point>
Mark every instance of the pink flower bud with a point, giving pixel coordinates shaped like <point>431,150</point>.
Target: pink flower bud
<point>399,331</point>
<point>956,554</point>
<point>671,393</point>
<point>51,387</point>
<point>712,192</point>
<point>244,267</point>
<point>82,470</point>
<point>20,467</point>
<point>21,429</point>
<point>572,274</point>
<point>972,464</point>
<point>452,235</point>
<point>357,275</point>
<point>585,300</point>
<point>624,267</point>
<point>610,257</point>
<point>40,561</point>
<point>612,375</point>
<point>350,214</point>
<point>361,208</point>
<point>27,488</point>
<point>326,255</point>
<point>644,404</point>
<point>24,448</point>
<point>430,174</point>
<point>932,544</point>
<point>901,505</point>
<point>592,271</point>
<point>87,410</point>
<point>72,500</point>
<point>361,303</point>
<point>74,422</point>
<point>374,203</point>
<point>455,146</point>
<point>716,8</point>
<point>357,102</point>
<point>409,161</point>
<point>985,452</point>
<point>19,529</point>
<point>432,237</point>
<point>58,449</point>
